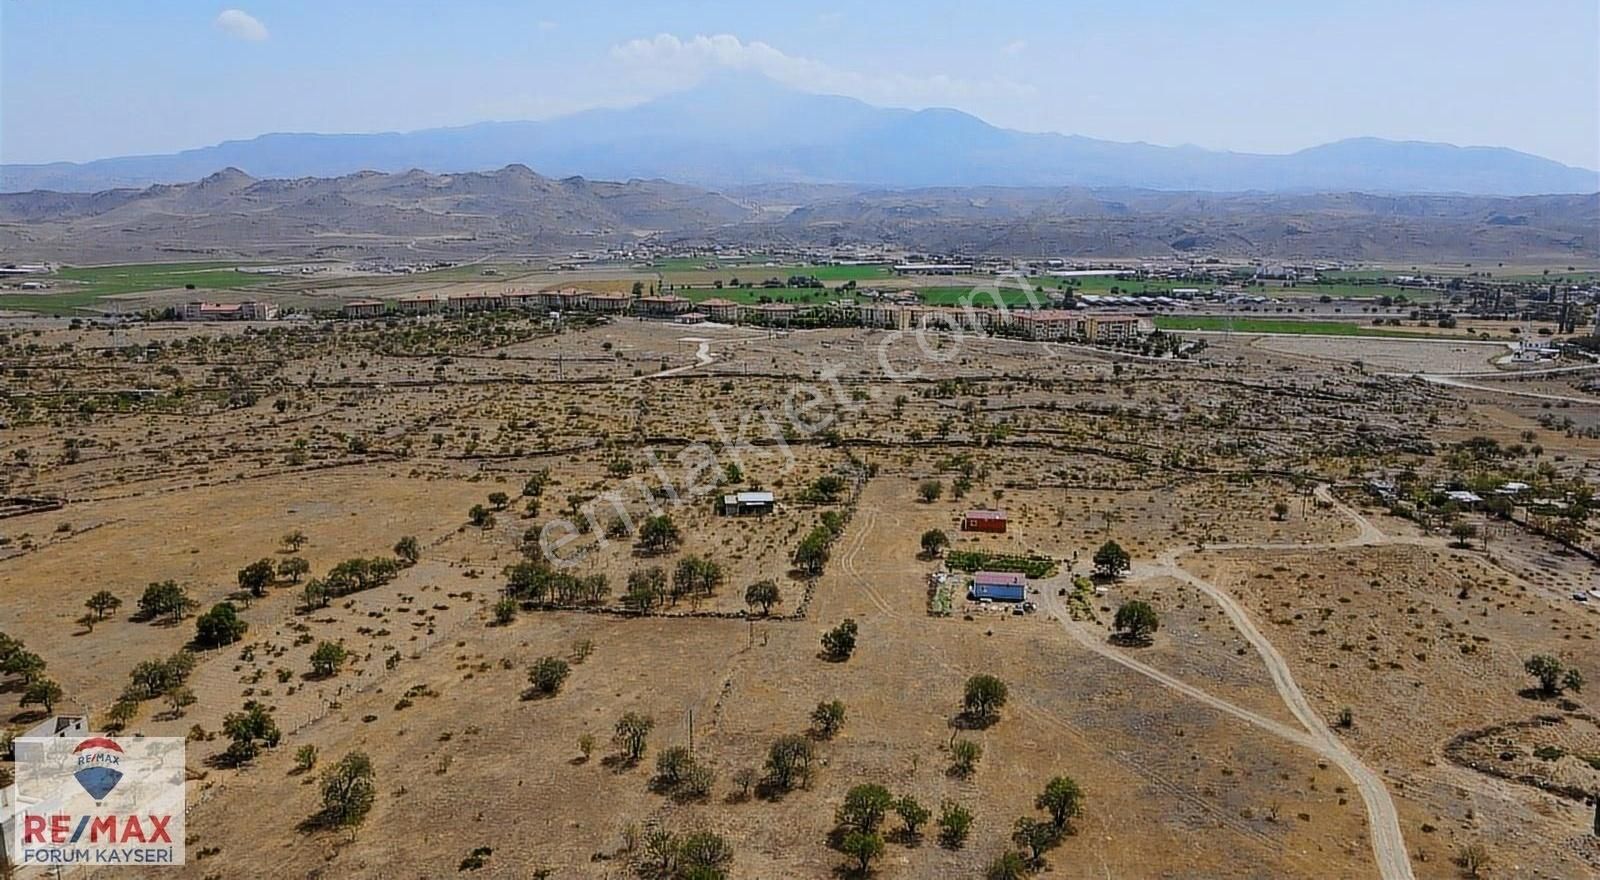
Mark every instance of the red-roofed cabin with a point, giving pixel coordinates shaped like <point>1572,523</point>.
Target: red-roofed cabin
<point>984,521</point>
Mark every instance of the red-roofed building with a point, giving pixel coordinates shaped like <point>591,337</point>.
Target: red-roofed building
<point>984,521</point>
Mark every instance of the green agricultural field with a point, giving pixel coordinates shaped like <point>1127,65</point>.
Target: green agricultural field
<point>686,273</point>
<point>1292,327</point>
<point>76,288</point>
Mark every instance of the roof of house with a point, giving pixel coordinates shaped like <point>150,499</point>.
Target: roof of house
<point>997,579</point>
<point>1011,592</point>
<point>716,302</point>
<point>986,514</point>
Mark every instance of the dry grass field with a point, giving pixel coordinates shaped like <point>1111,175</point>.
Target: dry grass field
<point>1235,481</point>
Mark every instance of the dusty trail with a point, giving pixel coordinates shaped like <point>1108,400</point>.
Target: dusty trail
<point>1383,822</point>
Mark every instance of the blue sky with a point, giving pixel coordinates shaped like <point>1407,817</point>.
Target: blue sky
<point>83,79</point>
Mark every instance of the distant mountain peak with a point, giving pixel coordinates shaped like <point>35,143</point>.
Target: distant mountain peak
<point>734,128</point>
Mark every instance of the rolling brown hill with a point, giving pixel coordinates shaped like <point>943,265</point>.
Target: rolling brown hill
<point>515,211</point>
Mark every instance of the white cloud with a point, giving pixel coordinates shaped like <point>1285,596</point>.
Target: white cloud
<point>1015,47</point>
<point>667,56</point>
<point>241,25</point>
<point>548,25</point>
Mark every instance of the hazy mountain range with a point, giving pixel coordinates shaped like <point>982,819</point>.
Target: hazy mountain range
<point>514,211</point>
<point>741,130</point>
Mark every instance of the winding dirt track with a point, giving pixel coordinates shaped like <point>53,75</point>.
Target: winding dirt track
<point>1388,843</point>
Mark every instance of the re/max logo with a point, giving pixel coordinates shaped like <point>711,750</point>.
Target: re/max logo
<point>61,829</point>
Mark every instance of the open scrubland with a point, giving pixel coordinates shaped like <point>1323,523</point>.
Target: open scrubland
<point>492,543</point>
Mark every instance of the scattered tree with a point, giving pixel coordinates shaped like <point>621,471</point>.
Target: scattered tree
<point>256,577</point>
<point>912,813</point>
<point>1034,836</point>
<point>1062,799</point>
<point>789,762</point>
<point>659,534</point>
<point>863,847</point>
<point>840,642</point>
<point>812,553</point>
<point>178,699</point>
<point>1111,561</point>
<point>984,697</point>
<point>1474,859</point>
<point>42,692</point>
<point>1552,675</point>
<point>327,659</point>
<point>103,603</point>
<point>964,755</point>
<point>930,490</point>
<point>166,601</point>
<point>1007,866</point>
<point>219,627</point>
<point>1136,621</point>
<point>864,807</point>
<point>293,569</point>
<point>294,541</point>
<point>632,734</point>
<point>933,541</point>
<point>348,791</point>
<point>827,718</point>
<point>249,731</point>
<point>408,550</point>
<point>763,593</point>
<point>547,675</point>
<point>955,823</point>
<point>1280,511</point>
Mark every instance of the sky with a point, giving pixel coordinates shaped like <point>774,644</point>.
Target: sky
<point>87,79</point>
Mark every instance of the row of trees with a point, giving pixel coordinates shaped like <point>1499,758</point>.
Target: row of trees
<point>813,551</point>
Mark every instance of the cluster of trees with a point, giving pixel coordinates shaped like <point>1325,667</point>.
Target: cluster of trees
<point>534,580</point>
<point>165,601</point>
<point>18,662</point>
<point>350,576</point>
<point>694,576</point>
<point>155,679</point>
<point>249,731</point>
<point>825,489</point>
<point>697,855</point>
<point>811,555</point>
<point>1062,799</point>
<point>659,534</point>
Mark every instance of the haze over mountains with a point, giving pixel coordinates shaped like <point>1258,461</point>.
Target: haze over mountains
<point>746,130</point>
<point>515,211</point>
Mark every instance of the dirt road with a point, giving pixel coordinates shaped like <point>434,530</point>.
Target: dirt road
<point>1388,843</point>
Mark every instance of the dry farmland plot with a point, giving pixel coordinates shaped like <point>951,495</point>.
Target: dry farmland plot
<point>186,454</point>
